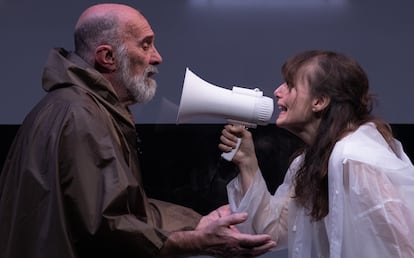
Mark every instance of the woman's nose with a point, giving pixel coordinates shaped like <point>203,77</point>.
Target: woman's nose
<point>278,91</point>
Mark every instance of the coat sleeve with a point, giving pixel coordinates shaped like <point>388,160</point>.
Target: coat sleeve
<point>106,207</point>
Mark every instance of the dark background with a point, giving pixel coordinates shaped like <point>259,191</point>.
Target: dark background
<point>182,163</point>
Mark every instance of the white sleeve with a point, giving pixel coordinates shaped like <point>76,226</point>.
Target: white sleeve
<point>267,213</point>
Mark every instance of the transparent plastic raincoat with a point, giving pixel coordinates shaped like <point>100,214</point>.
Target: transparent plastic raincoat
<point>371,203</point>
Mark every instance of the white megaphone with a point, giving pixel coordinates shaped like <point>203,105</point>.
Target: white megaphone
<point>241,106</point>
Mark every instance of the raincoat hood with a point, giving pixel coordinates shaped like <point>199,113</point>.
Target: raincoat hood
<point>64,68</point>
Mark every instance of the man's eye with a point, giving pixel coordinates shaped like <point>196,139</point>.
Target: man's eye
<point>145,46</point>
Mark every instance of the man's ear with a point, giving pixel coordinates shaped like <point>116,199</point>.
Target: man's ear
<point>104,58</point>
<point>320,103</point>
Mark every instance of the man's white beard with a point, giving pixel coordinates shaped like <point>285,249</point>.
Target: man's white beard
<point>140,88</point>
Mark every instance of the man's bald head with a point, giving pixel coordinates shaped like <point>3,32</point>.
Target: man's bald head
<point>104,24</point>
<point>119,11</point>
<point>118,42</point>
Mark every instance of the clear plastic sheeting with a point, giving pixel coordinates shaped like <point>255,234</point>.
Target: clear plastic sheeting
<point>371,203</point>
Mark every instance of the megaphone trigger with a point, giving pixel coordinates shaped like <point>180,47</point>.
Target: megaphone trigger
<point>229,155</point>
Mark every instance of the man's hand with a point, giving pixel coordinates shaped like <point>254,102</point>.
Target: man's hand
<point>220,237</point>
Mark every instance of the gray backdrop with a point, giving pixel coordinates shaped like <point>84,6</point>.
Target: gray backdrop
<point>225,42</point>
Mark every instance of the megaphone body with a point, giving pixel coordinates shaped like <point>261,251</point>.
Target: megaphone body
<point>241,106</point>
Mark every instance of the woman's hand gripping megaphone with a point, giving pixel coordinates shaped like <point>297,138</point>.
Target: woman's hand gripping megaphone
<point>229,155</point>
<point>237,140</point>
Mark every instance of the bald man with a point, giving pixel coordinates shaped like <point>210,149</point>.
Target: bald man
<point>71,184</point>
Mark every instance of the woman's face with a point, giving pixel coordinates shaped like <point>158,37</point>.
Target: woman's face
<point>296,107</point>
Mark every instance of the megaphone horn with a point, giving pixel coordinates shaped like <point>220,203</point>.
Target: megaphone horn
<point>240,105</point>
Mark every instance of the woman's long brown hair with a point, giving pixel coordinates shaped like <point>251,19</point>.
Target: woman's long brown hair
<point>340,78</point>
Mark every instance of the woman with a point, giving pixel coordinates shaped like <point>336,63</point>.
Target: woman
<point>350,191</point>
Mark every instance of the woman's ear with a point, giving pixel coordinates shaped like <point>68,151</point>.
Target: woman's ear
<point>104,59</point>
<point>320,103</point>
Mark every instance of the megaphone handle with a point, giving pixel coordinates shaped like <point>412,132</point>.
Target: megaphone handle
<point>229,155</point>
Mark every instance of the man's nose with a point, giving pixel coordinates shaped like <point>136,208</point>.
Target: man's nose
<point>155,57</point>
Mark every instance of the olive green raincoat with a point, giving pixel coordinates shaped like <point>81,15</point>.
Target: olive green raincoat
<point>71,185</point>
